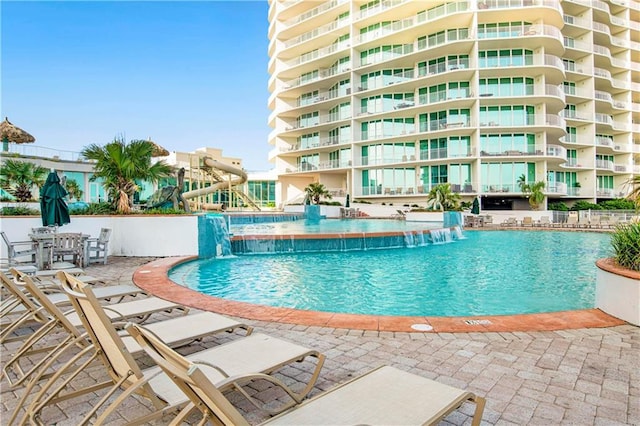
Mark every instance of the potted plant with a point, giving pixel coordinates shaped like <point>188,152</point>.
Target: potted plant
<point>618,278</point>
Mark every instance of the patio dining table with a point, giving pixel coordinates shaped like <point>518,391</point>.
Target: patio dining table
<point>43,243</point>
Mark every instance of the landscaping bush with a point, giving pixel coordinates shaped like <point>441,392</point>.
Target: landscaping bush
<point>103,208</point>
<point>168,210</point>
<point>626,245</point>
<point>562,207</point>
<point>585,205</point>
<point>617,204</point>
<point>19,211</point>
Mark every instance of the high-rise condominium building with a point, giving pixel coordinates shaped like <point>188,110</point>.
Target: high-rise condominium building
<point>383,100</point>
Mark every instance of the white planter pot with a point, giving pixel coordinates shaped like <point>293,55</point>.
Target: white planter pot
<point>618,291</point>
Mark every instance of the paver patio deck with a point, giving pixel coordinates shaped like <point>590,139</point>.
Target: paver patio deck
<point>585,376</point>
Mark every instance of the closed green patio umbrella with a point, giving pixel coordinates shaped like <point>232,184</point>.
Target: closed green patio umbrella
<point>53,208</point>
<point>475,207</point>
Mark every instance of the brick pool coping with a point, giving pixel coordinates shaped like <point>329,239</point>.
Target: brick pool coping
<point>153,278</point>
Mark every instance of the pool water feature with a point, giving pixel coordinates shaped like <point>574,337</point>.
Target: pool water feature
<point>486,273</point>
<point>311,236</point>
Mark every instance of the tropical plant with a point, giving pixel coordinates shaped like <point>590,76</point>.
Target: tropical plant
<point>625,241</point>
<point>617,204</point>
<point>119,164</point>
<point>634,195</point>
<point>315,191</point>
<point>533,191</point>
<point>19,177</point>
<point>585,205</point>
<point>559,206</point>
<point>19,211</point>
<point>73,189</point>
<point>442,198</point>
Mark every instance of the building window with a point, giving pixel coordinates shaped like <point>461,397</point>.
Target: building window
<point>505,58</point>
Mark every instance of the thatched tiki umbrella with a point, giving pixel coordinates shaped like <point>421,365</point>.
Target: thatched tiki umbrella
<point>158,151</point>
<point>11,133</point>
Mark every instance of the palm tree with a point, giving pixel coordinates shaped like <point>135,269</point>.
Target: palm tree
<point>534,191</point>
<point>315,191</point>
<point>73,189</point>
<point>634,195</point>
<point>442,198</point>
<point>19,177</point>
<point>119,164</point>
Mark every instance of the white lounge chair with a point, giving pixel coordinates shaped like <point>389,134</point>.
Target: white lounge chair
<point>544,221</point>
<point>384,396</point>
<point>254,354</point>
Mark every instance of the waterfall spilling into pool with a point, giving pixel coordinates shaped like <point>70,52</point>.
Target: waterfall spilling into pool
<point>213,236</point>
<point>327,235</point>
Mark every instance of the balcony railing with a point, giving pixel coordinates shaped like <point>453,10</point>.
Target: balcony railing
<point>313,12</point>
<point>520,31</point>
<point>604,164</point>
<point>555,188</point>
<point>29,150</point>
<point>320,119</point>
<point>380,7</point>
<point>507,4</point>
<point>574,163</point>
<point>432,14</point>
<point>601,141</point>
<point>318,53</point>
<point>316,32</point>
<point>528,120</point>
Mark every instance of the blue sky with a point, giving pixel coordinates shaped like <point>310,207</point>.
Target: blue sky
<point>187,74</point>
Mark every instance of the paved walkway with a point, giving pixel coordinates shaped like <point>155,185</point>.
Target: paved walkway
<point>580,376</point>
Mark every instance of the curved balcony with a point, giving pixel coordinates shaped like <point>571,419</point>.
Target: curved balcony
<point>415,22</point>
<point>318,121</point>
<point>604,165</point>
<point>605,119</point>
<point>555,188</point>
<point>604,142</point>
<point>604,78</point>
<point>549,65</point>
<point>511,10</point>
<point>553,124</point>
<point>321,53</point>
<point>529,37</point>
<point>382,6</point>
<point>317,16</point>
<point>327,75</point>
<point>573,163</point>
<point>606,52</point>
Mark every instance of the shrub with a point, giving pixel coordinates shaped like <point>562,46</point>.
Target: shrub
<point>330,203</point>
<point>168,210</point>
<point>626,245</point>
<point>562,207</point>
<point>19,211</point>
<point>362,201</point>
<point>585,205</point>
<point>97,209</point>
<point>617,204</point>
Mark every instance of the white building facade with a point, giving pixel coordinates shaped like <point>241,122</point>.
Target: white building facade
<point>383,100</point>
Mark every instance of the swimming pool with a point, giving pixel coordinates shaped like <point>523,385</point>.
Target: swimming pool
<point>488,273</point>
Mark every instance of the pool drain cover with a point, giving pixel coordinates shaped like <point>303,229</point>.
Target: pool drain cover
<point>478,322</point>
<point>422,327</point>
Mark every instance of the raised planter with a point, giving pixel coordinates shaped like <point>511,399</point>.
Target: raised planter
<point>618,291</point>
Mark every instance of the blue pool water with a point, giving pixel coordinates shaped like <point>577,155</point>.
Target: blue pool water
<point>487,273</point>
